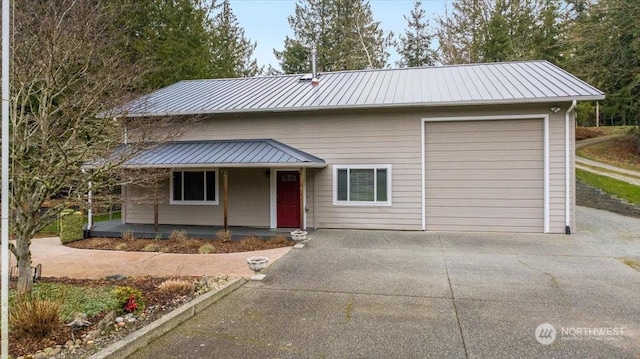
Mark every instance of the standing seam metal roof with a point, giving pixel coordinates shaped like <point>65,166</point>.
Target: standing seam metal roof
<point>473,84</point>
<point>227,153</point>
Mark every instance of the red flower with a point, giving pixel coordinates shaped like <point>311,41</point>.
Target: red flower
<point>130,306</point>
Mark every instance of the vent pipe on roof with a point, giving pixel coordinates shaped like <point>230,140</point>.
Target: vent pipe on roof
<point>314,67</point>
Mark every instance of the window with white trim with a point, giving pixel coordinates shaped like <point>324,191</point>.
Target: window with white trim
<point>362,185</point>
<point>197,187</point>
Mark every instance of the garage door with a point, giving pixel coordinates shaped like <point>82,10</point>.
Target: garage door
<point>484,176</point>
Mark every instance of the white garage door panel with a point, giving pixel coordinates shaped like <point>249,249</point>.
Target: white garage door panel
<point>484,176</point>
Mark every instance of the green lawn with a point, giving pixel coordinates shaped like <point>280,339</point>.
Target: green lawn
<point>52,228</point>
<point>620,189</point>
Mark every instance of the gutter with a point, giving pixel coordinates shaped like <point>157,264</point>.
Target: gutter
<point>567,168</point>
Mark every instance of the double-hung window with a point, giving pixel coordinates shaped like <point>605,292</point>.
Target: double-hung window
<point>362,185</point>
<point>194,187</point>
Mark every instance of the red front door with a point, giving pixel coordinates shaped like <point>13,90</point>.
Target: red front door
<point>288,194</point>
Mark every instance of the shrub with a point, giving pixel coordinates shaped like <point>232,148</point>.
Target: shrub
<point>130,299</point>
<point>176,286</point>
<point>121,247</point>
<point>178,235</point>
<point>74,298</point>
<point>280,240</point>
<point>251,243</point>
<point>128,235</point>
<point>34,318</point>
<point>206,249</point>
<point>71,226</point>
<point>152,247</point>
<point>223,236</point>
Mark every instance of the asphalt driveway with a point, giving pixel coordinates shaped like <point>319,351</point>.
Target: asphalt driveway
<point>373,294</point>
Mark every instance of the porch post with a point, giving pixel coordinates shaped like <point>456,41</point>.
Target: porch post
<point>302,211</point>
<point>225,198</point>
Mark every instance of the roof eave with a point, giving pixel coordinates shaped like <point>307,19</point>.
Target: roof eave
<point>229,165</point>
<point>595,97</point>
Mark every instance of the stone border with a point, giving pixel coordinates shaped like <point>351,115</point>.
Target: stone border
<point>145,335</point>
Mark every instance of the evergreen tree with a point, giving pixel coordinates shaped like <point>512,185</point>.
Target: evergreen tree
<point>231,51</point>
<point>344,32</point>
<point>498,45</point>
<point>171,37</point>
<point>605,51</point>
<point>415,45</point>
<point>461,35</point>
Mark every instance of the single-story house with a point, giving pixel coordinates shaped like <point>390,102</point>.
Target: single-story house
<point>478,147</point>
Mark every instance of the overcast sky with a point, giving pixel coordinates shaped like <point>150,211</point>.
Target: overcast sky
<point>265,21</point>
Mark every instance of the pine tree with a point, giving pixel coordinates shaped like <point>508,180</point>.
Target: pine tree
<point>344,33</point>
<point>231,51</point>
<point>415,45</point>
<point>461,35</point>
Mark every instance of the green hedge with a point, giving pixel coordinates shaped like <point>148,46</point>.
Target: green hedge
<point>71,226</point>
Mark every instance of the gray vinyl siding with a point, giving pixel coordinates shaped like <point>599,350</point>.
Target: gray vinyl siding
<point>381,137</point>
<point>357,138</point>
<point>248,204</point>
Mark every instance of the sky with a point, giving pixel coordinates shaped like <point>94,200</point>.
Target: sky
<point>265,21</point>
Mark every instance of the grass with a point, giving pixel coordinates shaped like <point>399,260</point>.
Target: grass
<point>583,133</point>
<point>90,301</point>
<point>620,189</point>
<point>53,227</point>
<point>621,152</point>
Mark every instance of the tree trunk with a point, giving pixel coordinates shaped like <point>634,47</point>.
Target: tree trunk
<point>23,254</point>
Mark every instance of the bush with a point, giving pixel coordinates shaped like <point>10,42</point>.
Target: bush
<point>178,235</point>
<point>90,301</point>
<point>223,236</point>
<point>280,240</point>
<point>176,286</point>
<point>151,248</point>
<point>121,247</point>
<point>251,243</point>
<point>128,235</point>
<point>130,299</point>
<point>34,318</point>
<point>207,249</point>
<point>71,226</point>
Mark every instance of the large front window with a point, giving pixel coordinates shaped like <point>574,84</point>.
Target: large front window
<point>362,185</point>
<point>194,187</point>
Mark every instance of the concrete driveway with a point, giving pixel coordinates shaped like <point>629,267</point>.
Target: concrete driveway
<point>373,294</point>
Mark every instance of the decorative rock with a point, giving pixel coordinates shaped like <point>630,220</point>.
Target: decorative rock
<point>47,350</point>
<point>115,277</point>
<point>54,351</point>
<point>119,319</point>
<point>90,342</point>
<point>93,334</point>
<point>106,324</point>
<point>121,324</point>
<point>78,341</point>
<point>69,343</point>
<point>41,355</point>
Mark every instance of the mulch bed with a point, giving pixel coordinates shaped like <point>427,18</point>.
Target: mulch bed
<point>183,246</point>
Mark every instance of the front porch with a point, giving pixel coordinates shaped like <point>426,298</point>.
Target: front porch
<point>115,228</point>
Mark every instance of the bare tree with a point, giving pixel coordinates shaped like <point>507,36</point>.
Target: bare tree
<point>68,69</point>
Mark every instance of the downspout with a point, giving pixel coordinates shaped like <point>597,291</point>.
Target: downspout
<point>567,168</point>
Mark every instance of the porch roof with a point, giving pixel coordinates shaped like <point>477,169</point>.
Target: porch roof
<point>223,153</point>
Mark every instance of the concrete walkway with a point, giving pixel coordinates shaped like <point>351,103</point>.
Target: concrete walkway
<point>603,169</point>
<point>378,294</point>
<point>61,261</point>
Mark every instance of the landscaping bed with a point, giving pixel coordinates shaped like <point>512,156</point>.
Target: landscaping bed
<point>182,244</point>
<point>620,151</point>
<point>159,299</point>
